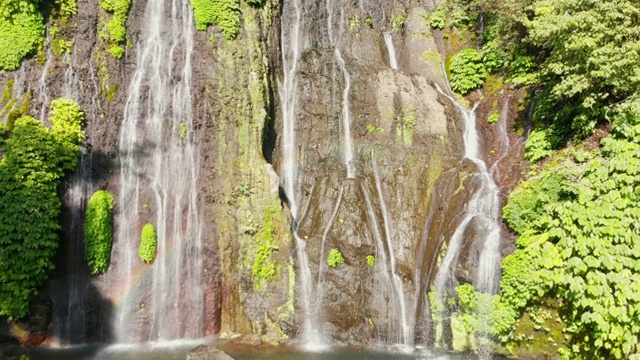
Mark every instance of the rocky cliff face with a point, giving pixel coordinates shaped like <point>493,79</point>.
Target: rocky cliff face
<point>397,197</point>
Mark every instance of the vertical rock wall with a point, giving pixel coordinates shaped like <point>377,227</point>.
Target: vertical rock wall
<point>408,193</point>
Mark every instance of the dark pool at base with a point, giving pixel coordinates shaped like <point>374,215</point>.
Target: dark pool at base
<point>178,351</point>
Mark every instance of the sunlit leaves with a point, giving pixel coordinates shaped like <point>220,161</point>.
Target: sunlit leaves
<point>591,258</point>
<point>467,71</point>
<point>98,231</point>
<point>32,166</point>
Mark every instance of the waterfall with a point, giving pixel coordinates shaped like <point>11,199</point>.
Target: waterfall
<point>159,167</point>
<point>310,337</point>
<point>407,333</point>
<point>388,40</point>
<point>484,207</point>
<point>70,323</point>
<point>43,95</point>
<point>346,115</point>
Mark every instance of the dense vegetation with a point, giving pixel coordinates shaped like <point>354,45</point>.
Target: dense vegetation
<point>335,258</point>
<point>33,164</point>
<point>224,13</point>
<point>114,31</point>
<point>22,31</point>
<point>148,243</point>
<point>578,254</point>
<point>98,231</point>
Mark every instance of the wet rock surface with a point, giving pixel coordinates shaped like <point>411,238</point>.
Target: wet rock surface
<point>207,352</point>
<point>409,191</point>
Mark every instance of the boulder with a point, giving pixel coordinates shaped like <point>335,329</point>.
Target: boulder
<point>207,352</point>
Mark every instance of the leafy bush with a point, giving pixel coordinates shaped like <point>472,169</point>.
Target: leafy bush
<point>437,20</point>
<point>521,70</point>
<point>148,243</point>
<point>527,202</point>
<point>462,20</point>
<point>493,118</point>
<point>335,258</point>
<point>582,248</point>
<point>33,163</point>
<point>98,231</point>
<point>22,31</point>
<point>67,120</point>
<point>467,71</point>
<point>371,260</point>
<point>224,13</point>
<point>541,144</point>
<point>493,61</point>
<point>397,23</point>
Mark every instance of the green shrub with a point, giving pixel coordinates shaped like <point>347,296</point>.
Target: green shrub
<point>521,70</point>
<point>467,71</point>
<point>114,33</point>
<point>493,118</point>
<point>33,164</point>
<point>580,244</point>
<point>371,260</point>
<point>437,20</point>
<point>540,144</point>
<point>21,33</point>
<point>148,243</point>
<point>98,231</point>
<point>462,20</point>
<point>369,21</point>
<point>116,51</point>
<point>67,120</point>
<point>335,258</point>
<point>397,23</point>
<point>224,13</point>
<point>528,201</point>
<point>493,61</point>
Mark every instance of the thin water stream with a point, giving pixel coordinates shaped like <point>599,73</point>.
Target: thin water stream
<point>398,287</point>
<point>346,110</point>
<point>388,40</point>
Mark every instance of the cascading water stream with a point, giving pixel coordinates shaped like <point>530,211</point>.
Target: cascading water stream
<point>310,337</point>
<point>407,333</point>
<point>159,168</point>
<point>484,208</point>
<point>388,40</point>
<point>346,111</point>
<point>346,117</point>
<point>43,95</point>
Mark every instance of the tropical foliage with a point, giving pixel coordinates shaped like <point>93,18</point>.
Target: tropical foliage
<point>98,231</point>
<point>224,13</point>
<point>148,243</point>
<point>335,259</point>
<point>114,31</point>
<point>33,164</point>
<point>467,71</point>
<point>22,31</point>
